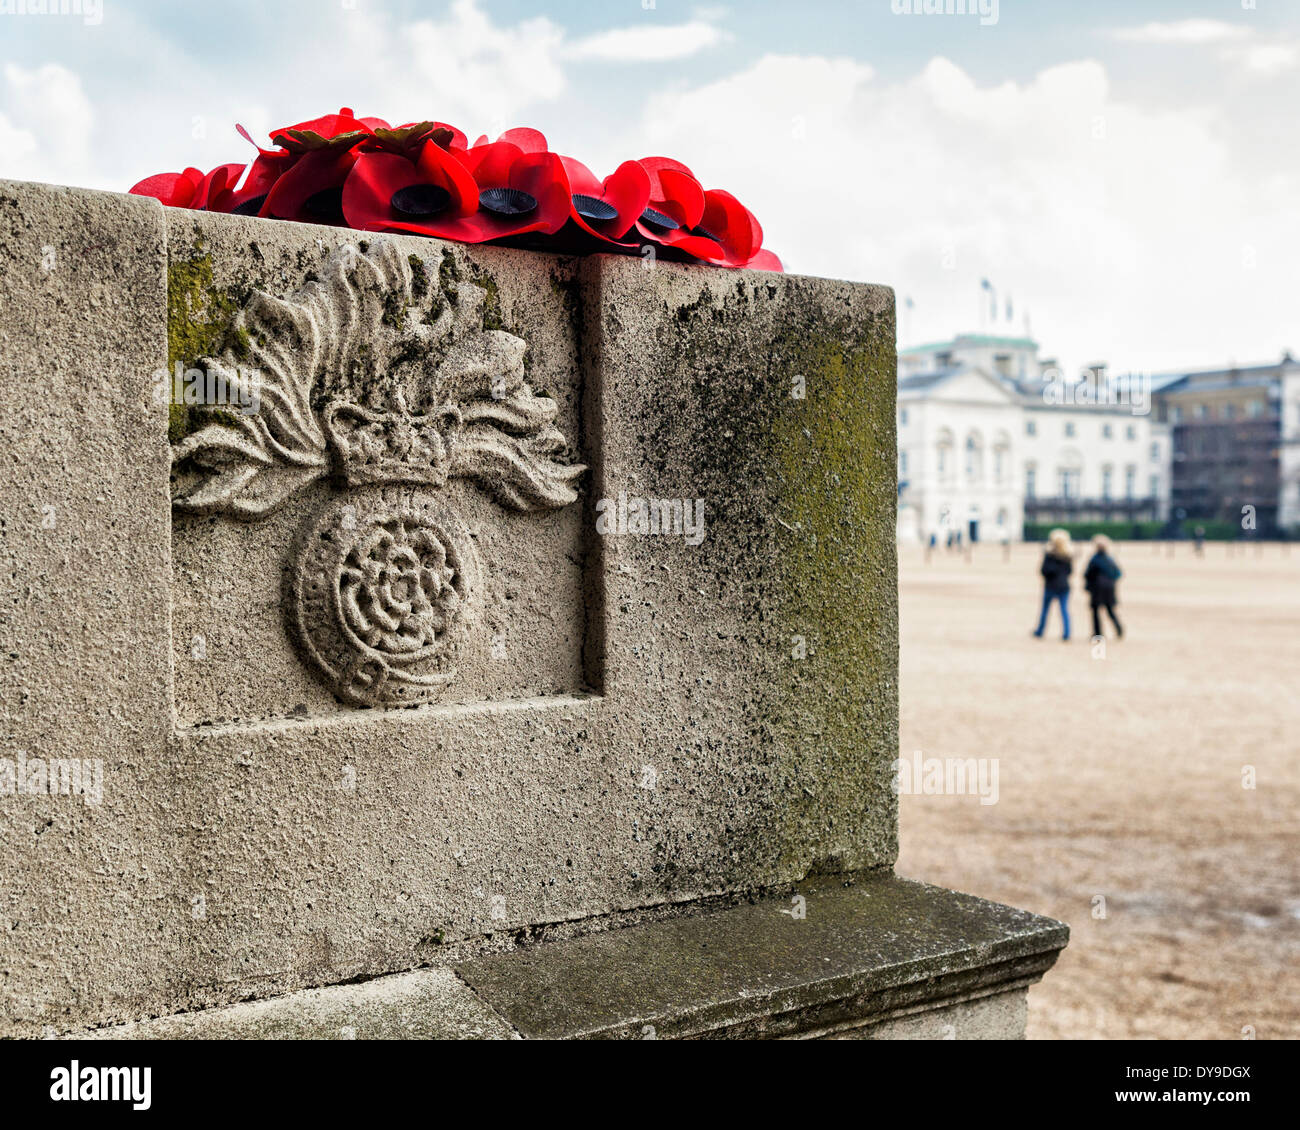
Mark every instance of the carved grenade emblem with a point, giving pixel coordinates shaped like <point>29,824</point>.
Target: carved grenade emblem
<point>393,395</point>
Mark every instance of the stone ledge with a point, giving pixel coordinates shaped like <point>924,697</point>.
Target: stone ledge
<point>878,957</point>
<point>865,953</point>
<point>429,1004</point>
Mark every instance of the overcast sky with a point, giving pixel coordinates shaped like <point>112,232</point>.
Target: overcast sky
<point>1127,172</point>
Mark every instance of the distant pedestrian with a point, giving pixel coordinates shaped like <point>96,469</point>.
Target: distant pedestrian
<point>1101,579</point>
<point>1057,563</point>
<point>1199,535</point>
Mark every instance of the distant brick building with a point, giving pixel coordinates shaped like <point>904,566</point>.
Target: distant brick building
<point>1236,444</point>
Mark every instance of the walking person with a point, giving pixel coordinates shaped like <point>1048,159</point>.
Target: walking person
<point>1057,563</point>
<point>1100,579</point>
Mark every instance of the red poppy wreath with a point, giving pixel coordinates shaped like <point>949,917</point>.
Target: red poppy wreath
<point>425,178</point>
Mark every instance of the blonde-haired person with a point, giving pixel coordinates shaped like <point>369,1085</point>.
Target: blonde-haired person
<point>1057,563</point>
<point>1100,579</point>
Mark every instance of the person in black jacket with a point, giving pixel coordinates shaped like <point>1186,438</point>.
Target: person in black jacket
<point>1057,563</point>
<point>1100,579</point>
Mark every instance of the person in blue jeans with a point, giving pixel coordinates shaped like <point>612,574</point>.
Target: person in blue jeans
<point>1057,563</point>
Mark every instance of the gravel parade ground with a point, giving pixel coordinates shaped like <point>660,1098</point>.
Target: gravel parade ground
<point>1120,801</point>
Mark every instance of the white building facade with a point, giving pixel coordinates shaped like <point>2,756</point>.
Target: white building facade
<point>990,438</point>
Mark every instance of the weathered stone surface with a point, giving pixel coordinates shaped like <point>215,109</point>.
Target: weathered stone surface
<point>827,963</point>
<point>433,1004</point>
<point>91,894</point>
<point>870,957</point>
<point>632,721</point>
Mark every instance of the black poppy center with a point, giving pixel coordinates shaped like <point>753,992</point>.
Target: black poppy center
<point>704,233</point>
<point>507,201</point>
<point>325,205</point>
<point>250,207</point>
<point>416,201</point>
<point>657,219</point>
<point>593,207</point>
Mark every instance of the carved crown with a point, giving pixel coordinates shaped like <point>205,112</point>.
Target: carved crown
<point>399,446</point>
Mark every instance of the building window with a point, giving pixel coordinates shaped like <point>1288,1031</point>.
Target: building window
<point>1155,486</point>
<point>1031,479</point>
<point>902,464</point>
<point>1131,432</point>
<point>1229,411</point>
<point>943,460</point>
<point>1155,453</point>
<point>1069,481</point>
<point>1105,483</point>
<point>902,417</point>
<point>1106,431</point>
<point>1202,411</point>
<point>1031,428</point>
<point>1176,413</point>
<point>1069,430</point>
<point>1130,482</point>
<point>1255,409</point>
<point>997,464</point>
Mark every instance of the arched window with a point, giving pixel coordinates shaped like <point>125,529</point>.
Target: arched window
<point>974,458</point>
<point>1069,474</point>
<point>1001,456</point>
<point>943,454</point>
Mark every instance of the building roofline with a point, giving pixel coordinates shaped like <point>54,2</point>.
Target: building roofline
<point>972,339</point>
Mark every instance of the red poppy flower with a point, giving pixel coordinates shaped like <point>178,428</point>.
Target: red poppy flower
<point>606,209</point>
<point>731,225</point>
<point>423,177</point>
<point>527,140</point>
<point>431,193</point>
<point>765,260</point>
<point>519,192</point>
<point>675,209</point>
<point>311,189</point>
<point>711,225</point>
<point>191,189</point>
<point>333,131</point>
<point>176,190</point>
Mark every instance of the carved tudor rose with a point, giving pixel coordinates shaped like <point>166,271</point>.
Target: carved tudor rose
<point>393,394</point>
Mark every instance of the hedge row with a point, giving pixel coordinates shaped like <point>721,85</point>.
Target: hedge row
<point>1139,531</point>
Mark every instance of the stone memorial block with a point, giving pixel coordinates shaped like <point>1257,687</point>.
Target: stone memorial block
<point>387,603</point>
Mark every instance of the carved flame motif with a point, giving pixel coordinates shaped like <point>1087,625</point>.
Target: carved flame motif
<point>355,374</point>
<point>394,395</point>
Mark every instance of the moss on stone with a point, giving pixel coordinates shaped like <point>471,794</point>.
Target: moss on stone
<point>419,277</point>
<point>200,323</point>
<point>834,452</point>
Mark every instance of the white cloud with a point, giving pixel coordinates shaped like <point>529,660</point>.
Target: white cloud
<point>1126,231</point>
<point>1265,58</point>
<point>1195,31</point>
<point>1152,236</point>
<point>53,123</point>
<point>648,44</point>
<point>475,68</point>
<point>1239,45</point>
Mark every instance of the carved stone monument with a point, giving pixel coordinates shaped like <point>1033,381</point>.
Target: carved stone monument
<point>514,633</point>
